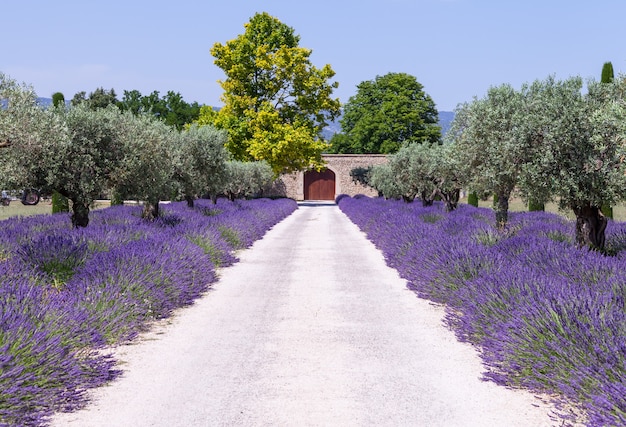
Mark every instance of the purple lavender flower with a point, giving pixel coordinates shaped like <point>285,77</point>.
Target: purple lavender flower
<point>65,293</point>
<point>546,314</point>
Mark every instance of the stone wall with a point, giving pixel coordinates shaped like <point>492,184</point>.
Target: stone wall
<point>292,185</point>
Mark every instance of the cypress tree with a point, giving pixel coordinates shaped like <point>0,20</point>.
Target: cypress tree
<point>607,73</point>
<point>472,199</point>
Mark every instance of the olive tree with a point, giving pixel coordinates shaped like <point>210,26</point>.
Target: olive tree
<point>382,179</point>
<point>582,139</point>
<point>449,174</point>
<point>493,145</point>
<point>146,171</point>
<point>199,161</point>
<point>27,133</point>
<point>247,179</point>
<point>79,166</point>
<point>413,167</point>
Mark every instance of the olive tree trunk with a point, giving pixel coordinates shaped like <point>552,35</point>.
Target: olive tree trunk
<point>451,199</point>
<point>150,210</point>
<point>502,209</point>
<point>80,212</point>
<point>427,199</point>
<point>590,226</point>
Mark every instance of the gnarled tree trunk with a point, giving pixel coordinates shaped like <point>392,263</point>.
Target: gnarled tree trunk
<point>590,226</point>
<point>190,200</point>
<point>427,199</point>
<point>80,213</point>
<point>451,199</point>
<point>502,209</point>
<point>150,210</point>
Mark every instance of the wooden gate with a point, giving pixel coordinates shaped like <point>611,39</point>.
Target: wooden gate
<point>319,185</point>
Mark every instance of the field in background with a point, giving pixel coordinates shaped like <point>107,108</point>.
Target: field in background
<point>16,208</point>
<point>516,205</point>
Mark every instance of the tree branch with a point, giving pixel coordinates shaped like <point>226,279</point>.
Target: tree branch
<point>5,144</point>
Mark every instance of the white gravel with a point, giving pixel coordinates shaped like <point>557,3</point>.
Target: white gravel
<point>310,328</point>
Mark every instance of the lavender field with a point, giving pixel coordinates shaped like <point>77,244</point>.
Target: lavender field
<point>544,314</point>
<point>66,294</point>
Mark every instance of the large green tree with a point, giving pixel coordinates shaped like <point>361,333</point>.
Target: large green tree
<point>386,113</point>
<point>276,102</point>
<point>99,98</point>
<point>171,108</point>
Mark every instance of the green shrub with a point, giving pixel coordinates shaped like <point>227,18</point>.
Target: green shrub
<point>472,199</point>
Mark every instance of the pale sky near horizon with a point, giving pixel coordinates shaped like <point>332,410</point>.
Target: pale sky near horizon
<point>456,49</point>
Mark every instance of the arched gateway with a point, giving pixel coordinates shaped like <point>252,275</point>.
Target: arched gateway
<point>335,179</point>
<point>319,185</point>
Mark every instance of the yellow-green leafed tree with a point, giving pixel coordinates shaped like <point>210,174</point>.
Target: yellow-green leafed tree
<point>276,102</point>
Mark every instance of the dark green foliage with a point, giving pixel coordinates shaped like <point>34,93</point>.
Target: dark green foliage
<point>99,98</point>
<point>607,211</point>
<point>534,205</point>
<point>495,201</point>
<point>116,198</point>
<point>361,175</point>
<point>607,73</point>
<point>58,99</point>
<point>386,113</point>
<point>472,199</point>
<point>171,108</point>
<point>59,203</point>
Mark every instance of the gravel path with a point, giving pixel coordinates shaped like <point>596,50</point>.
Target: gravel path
<point>310,328</point>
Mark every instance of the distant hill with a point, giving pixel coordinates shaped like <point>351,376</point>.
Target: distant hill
<point>445,120</point>
<point>44,102</point>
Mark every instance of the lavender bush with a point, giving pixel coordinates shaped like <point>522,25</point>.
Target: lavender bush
<point>65,293</point>
<point>545,314</point>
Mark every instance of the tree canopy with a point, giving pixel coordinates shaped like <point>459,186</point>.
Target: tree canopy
<point>489,133</point>
<point>424,170</point>
<point>200,161</point>
<point>171,108</point>
<point>386,113</point>
<point>276,102</point>
<point>549,141</point>
<point>99,98</point>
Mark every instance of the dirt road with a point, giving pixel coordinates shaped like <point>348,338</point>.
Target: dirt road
<point>310,328</point>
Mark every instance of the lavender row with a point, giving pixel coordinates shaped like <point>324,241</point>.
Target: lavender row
<point>67,293</point>
<point>546,315</point>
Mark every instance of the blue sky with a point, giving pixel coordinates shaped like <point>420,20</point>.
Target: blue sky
<point>457,49</point>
